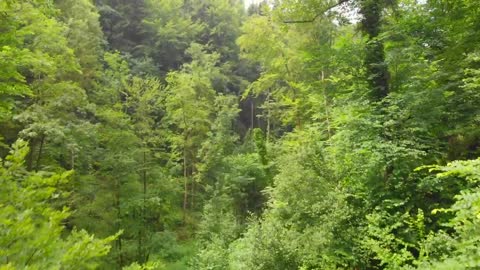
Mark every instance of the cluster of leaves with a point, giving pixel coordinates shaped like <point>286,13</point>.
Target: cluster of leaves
<point>31,227</point>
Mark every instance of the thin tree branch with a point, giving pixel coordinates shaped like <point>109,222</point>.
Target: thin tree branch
<point>31,256</point>
<point>340,2</point>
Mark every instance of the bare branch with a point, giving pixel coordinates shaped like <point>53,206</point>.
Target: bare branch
<point>340,2</point>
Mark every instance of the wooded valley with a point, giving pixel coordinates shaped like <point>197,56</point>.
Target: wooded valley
<point>223,135</point>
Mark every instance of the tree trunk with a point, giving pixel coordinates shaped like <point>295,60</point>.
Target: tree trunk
<point>119,216</point>
<point>72,159</point>
<point>40,150</point>
<point>31,155</point>
<point>326,104</point>
<point>377,69</point>
<point>192,196</point>
<point>143,232</point>
<point>252,113</point>
<point>268,118</point>
<point>185,183</point>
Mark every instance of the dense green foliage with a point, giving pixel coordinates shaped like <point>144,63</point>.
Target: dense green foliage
<point>185,134</point>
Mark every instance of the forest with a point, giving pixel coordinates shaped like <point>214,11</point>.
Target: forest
<point>232,135</point>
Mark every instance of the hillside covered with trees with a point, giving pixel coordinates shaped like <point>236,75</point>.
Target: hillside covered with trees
<point>212,135</point>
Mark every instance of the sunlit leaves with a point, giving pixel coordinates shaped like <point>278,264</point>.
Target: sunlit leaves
<point>31,228</point>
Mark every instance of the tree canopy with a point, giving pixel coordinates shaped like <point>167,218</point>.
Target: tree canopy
<point>211,135</point>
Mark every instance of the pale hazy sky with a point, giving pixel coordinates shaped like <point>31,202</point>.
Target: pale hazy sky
<point>248,2</point>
